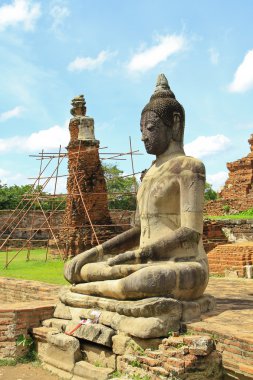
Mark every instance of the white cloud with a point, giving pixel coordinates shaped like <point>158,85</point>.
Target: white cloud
<point>49,138</point>
<point>23,12</point>
<point>9,179</point>
<point>217,180</point>
<point>3,173</point>
<point>88,63</point>
<point>204,146</point>
<point>151,57</point>
<point>15,112</point>
<point>243,78</point>
<point>61,187</point>
<point>59,12</point>
<point>214,56</point>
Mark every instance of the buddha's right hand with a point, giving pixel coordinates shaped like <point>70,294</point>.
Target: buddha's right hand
<point>73,267</point>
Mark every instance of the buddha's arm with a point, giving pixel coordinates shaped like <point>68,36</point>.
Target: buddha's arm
<point>124,241</point>
<point>160,250</point>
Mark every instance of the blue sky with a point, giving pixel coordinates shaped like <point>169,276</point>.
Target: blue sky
<point>112,51</point>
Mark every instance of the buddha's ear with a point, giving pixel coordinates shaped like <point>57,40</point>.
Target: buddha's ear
<point>177,129</point>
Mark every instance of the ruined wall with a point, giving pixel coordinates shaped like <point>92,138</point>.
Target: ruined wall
<point>213,235</point>
<point>13,290</point>
<point>230,257</point>
<point>238,189</point>
<point>240,180</point>
<point>24,305</point>
<point>218,207</point>
<point>33,220</point>
<point>216,232</point>
<point>37,220</point>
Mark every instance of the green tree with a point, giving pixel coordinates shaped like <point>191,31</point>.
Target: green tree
<point>13,196</point>
<point>10,196</point>
<point>121,189</point>
<point>210,193</point>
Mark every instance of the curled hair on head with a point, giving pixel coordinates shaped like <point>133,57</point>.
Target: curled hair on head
<point>165,105</point>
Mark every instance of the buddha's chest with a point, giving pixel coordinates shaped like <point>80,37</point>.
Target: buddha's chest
<point>159,193</point>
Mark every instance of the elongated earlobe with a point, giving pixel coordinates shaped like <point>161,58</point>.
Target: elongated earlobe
<point>177,129</point>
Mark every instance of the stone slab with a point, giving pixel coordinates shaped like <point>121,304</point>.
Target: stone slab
<point>62,311</point>
<point>97,355</point>
<point>62,351</point>
<point>88,371</point>
<point>125,344</point>
<point>96,333</point>
<point>139,308</point>
<point>57,371</point>
<point>55,323</point>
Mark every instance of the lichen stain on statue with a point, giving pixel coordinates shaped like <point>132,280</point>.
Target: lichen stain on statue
<point>160,262</point>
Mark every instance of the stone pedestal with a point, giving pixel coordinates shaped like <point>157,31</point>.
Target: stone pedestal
<point>116,329</point>
<point>129,337</point>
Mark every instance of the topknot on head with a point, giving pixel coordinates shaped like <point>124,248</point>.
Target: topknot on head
<point>162,88</point>
<point>164,103</point>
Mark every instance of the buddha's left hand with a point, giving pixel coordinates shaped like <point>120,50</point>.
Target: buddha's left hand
<point>140,255</point>
<point>122,258</point>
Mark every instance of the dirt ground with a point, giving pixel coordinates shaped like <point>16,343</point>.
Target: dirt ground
<point>25,372</point>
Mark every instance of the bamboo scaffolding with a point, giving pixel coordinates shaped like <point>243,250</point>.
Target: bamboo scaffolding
<point>22,247</point>
<point>33,187</point>
<point>36,197</point>
<point>23,215</point>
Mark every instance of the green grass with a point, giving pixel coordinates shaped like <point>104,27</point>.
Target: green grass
<point>241,215</point>
<point>233,217</point>
<point>36,269</point>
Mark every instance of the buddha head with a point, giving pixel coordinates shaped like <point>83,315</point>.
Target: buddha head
<point>162,119</point>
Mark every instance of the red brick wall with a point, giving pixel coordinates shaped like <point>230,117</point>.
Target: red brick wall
<point>36,219</point>
<point>14,290</point>
<point>232,257</point>
<point>213,208</point>
<point>18,317</point>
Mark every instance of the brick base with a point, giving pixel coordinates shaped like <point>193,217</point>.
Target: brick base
<point>231,257</point>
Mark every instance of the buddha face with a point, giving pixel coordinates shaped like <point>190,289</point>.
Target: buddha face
<point>155,134</point>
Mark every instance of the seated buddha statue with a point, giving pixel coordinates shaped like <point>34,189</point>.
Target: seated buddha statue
<point>162,254</point>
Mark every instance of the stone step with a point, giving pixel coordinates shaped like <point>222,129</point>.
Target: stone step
<point>87,371</point>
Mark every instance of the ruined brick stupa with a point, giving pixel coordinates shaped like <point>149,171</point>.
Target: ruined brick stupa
<point>87,205</point>
<point>237,193</point>
<point>240,181</point>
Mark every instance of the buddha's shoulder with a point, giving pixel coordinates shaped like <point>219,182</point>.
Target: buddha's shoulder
<point>181,164</point>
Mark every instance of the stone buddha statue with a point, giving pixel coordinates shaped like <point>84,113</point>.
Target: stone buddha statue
<point>162,255</point>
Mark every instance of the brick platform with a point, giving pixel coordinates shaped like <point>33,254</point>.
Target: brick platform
<point>231,325</point>
<point>231,257</point>
<point>14,290</point>
<point>17,319</point>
